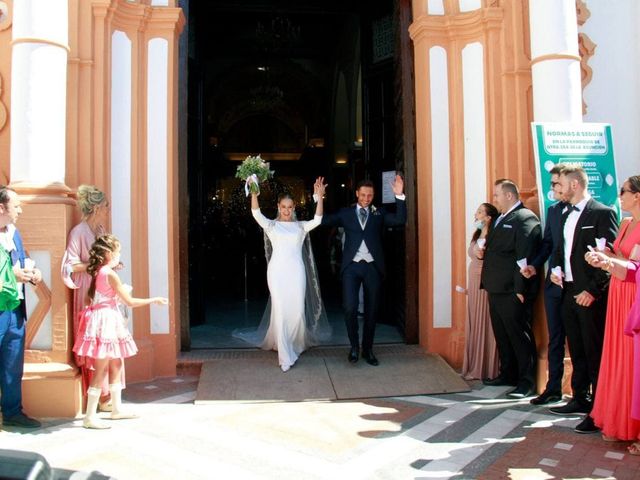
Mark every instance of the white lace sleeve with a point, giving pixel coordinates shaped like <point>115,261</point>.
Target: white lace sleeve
<point>311,224</point>
<point>263,221</point>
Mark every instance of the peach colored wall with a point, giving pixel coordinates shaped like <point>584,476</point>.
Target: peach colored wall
<point>88,146</point>
<point>501,27</point>
<point>91,23</point>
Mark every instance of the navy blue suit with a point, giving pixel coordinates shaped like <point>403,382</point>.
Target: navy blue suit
<point>553,297</point>
<point>12,335</point>
<point>369,275</point>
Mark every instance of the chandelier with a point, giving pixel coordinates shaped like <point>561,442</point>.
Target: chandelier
<point>277,34</point>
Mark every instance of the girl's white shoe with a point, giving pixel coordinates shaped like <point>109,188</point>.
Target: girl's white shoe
<point>122,416</point>
<point>94,424</point>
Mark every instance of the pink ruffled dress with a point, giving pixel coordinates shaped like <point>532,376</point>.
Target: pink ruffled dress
<point>102,332</point>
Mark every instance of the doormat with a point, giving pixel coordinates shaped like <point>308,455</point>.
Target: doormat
<point>324,374</point>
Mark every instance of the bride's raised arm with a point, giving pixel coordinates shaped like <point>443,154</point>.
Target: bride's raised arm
<point>257,214</point>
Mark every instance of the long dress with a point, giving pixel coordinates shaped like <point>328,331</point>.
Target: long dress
<point>81,237</point>
<point>612,406</point>
<point>287,284</point>
<point>102,330</point>
<point>632,330</point>
<point>480,352</point>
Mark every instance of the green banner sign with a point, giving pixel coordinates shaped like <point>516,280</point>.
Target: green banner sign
<point>587,145</point>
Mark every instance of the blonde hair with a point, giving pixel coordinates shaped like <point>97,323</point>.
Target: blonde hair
<point>89,197</point>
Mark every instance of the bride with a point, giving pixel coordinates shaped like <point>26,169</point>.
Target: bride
<point>294,319</point>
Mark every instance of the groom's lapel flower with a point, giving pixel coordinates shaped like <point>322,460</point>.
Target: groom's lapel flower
<point>374,210</point>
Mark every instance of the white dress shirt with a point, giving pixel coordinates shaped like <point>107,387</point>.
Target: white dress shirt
<point>501,217</point>
<point>568,232</point>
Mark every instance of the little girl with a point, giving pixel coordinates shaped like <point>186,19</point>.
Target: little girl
<point>102,333</point>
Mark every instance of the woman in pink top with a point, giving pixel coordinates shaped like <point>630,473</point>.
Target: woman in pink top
<point>94,206</point>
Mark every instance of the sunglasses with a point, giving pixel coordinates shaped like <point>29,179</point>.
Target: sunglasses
<point>624,190</point>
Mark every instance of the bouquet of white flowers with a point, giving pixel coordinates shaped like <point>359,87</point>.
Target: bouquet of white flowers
<point>253,171</point>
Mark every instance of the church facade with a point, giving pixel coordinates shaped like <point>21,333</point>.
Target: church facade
<point>93,91</point>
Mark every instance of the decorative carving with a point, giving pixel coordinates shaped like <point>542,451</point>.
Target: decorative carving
<point>5,16</point>
<point>3,109</point>
<point>37,317</point>
<point>586,47</point>
<point>582,12</point>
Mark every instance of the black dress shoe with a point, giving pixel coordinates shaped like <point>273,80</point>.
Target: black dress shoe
<point>572,407</point>
<point>498,381</point>
<point>521,391</point>
<point>546,397</point>
<point>586,426</point>
<point>353,355</point>
<point>21,420</point>
<point>370,358</point>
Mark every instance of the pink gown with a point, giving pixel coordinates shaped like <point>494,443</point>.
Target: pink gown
<point>81,237</point>
<point>613,404</point>
<point>102,331</point>
<point>480,352</point>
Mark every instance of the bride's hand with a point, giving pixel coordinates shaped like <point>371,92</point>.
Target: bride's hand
<point>319,187</point>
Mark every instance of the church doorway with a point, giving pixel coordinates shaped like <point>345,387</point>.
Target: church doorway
<point>311,87</point>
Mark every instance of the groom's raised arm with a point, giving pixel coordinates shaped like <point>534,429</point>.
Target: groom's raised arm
<point>400,217</point>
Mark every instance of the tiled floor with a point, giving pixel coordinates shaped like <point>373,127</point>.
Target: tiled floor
<point>462,436</point>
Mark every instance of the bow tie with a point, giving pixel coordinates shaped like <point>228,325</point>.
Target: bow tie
<point>571,208</point>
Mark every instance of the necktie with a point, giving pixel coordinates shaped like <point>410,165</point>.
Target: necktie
<point>363,216</point>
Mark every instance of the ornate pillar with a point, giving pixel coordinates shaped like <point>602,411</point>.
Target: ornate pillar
<point>37,172</point>
<point>555,61</point>
<point>472,84</point>
<point>557,97</point>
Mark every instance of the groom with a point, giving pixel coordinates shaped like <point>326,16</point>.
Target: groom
<point>363,260</point>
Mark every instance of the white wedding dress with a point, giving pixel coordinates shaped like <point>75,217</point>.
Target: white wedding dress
<point>287,331</point>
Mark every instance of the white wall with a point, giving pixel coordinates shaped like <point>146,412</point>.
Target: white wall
<point>441,187</point>
<point>157,182</point>
<point>475,149</point>
<point>613,96</point>
<point>121,81</point>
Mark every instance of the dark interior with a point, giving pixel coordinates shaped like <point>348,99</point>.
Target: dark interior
<point>312,87</point>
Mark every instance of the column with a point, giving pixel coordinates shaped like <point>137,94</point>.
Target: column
<point>38,97</point>
<point>51,383</point>
<point>555,61</point>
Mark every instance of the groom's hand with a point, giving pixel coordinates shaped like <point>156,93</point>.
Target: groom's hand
<point>398,185</point>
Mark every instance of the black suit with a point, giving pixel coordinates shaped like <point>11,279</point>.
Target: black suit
<point>514,237</point>
<point>369,275</point>
<point>585,325</point>
<point>553,296</point>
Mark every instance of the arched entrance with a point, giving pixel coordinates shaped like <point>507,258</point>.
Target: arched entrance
<point>313,89</point>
